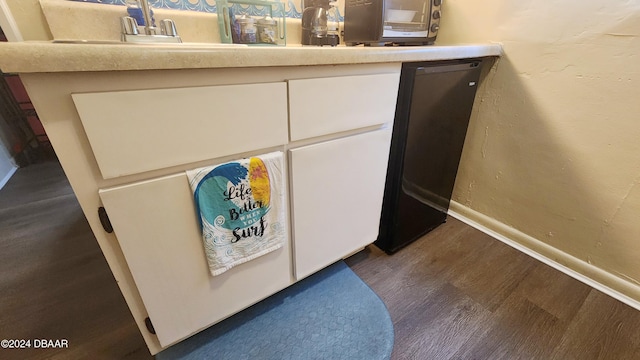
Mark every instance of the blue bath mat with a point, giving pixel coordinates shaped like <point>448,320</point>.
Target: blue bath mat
<point>329,315</point>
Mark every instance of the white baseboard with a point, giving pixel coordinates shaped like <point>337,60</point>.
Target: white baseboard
<point>593,276</point>
<point>8,176</point>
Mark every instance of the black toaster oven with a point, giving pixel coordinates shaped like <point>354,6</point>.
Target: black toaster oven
<point>381,22</point>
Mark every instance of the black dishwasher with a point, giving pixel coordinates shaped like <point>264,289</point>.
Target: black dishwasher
<point>432,114</point>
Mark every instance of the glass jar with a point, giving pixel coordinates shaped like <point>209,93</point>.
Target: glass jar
<point>267,30</point>
<point>248,30</point>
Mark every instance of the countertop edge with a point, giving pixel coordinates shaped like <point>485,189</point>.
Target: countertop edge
<point>48,57</point>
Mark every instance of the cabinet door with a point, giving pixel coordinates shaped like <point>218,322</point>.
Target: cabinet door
<point>337,189</point>
<point>157,229</point>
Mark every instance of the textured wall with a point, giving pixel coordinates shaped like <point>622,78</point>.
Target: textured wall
<point>554,145</point>
<point>29,19</point>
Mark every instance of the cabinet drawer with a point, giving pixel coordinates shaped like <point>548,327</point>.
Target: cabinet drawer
<point>159,234</point>
<point>136,131</point>
<point>328,105</point>
<point>337,188</point>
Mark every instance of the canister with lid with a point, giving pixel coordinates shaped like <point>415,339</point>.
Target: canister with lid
<point>267,30</point>
<point>248,30</point>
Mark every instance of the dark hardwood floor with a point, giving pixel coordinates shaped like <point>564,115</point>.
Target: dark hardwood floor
<point>459,294</point>
<point>54,280</point>
<point>454,294</point>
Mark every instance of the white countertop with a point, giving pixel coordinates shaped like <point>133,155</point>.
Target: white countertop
<point>34,57</point>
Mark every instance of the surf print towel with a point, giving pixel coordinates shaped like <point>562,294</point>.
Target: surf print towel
<point>241,207</point>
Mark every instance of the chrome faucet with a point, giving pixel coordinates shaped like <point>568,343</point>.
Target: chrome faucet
<point>149,27</point>
<point>130,33</point>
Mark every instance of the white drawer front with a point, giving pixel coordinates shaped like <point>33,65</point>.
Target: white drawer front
<point>329,105</point>
<point>136,131</point>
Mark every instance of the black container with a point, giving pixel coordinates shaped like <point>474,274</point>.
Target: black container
<point>432,114</point>
<point>315,29</point>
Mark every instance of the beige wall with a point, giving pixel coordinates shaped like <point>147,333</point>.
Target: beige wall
<point>29,19</point>
<point>553,149</point>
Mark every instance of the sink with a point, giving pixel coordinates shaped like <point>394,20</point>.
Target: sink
<point>114,42</point>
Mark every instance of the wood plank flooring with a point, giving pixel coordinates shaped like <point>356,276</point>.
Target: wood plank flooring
<point>454,294</point>
<point>459,294</point>
<point>54,280</point>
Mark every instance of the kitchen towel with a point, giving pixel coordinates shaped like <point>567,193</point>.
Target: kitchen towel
<point>241,209</point>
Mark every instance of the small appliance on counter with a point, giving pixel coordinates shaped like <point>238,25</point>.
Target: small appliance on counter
<point>319,23</point>
<point>403,22</point>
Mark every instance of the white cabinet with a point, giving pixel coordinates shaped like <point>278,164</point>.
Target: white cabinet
<point>131,132</point>
<point>336,191</point>
<point>337,160</point>
<point>157,229</point>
